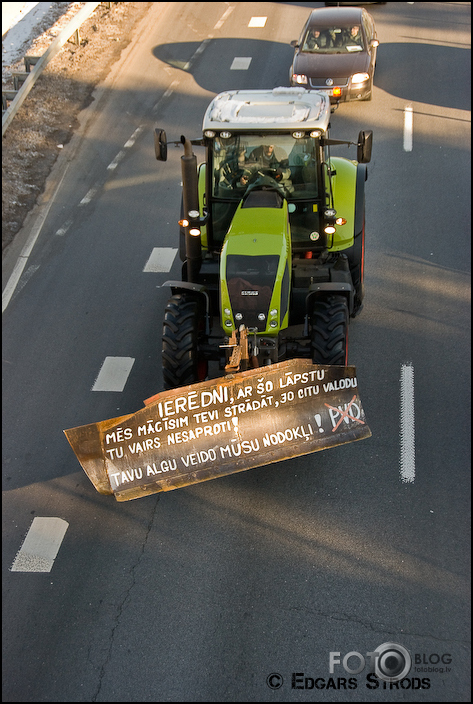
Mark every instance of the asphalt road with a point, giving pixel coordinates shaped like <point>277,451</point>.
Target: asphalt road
<point>202,593</point>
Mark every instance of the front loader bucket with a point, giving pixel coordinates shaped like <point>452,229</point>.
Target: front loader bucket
<point>222,426</point>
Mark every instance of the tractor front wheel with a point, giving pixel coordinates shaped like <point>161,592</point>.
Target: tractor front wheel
<point>329,330</point>
<point>182,329</point>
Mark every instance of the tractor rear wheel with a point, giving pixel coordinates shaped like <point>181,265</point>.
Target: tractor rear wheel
<point>182,329</point>
<point>329,330</point>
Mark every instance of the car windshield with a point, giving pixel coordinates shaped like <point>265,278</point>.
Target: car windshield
<point>245,160</point>
<point>333,40</point>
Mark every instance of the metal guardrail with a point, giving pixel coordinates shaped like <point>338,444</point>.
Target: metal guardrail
<point>28,77</point>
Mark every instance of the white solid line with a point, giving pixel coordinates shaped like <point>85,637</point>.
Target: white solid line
<point>407,424</point>
<point>241,63</point>
<point>13,281</point>
<point>113,374</point>
<point>41,545</point>
<point>27,249</point>
<point>408,128</point>
<point>161,259</point>
<point>257,22</point>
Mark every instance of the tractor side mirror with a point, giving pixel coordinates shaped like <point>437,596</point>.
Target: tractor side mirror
<point>160,145</point>
<point>365,143</point>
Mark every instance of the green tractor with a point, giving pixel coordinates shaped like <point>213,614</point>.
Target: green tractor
<point>271,237</point>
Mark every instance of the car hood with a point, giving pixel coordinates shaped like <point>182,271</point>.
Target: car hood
<point>330,65</point>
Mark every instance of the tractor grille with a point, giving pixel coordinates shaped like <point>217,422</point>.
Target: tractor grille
<point>250,283</point>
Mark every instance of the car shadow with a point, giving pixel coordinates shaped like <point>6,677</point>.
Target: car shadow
<point>269,67</point>
<point>426,73</point>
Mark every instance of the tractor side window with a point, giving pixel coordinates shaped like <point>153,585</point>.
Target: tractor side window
<point>303,166</point>
<point>228,157</point>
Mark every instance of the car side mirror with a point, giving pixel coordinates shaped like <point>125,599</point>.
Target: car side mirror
<point>295,44</point>
<point>365,143</point>
<point>160,145</point>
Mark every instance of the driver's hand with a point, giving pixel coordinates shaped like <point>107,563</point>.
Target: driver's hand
<point>279,174</point>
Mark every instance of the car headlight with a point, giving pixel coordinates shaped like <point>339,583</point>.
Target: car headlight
<point>360,77</point>
<point>299,78</point>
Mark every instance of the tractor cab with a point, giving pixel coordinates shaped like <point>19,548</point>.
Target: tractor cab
<point>260,140</point>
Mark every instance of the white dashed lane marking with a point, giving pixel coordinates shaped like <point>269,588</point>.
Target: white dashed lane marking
<point>113,374</point>
<point>41,545</point>
<point>408,128</point>
<point>89,195</point>
<point>407,424</point>
<point>241,63</point>
<point>225,15</point>
<point>257,22</point>
<point>161,259</point>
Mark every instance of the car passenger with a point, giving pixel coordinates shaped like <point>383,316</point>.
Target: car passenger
<point>354,36</point>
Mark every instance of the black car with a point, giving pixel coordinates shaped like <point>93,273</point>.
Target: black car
<point>336,53</point>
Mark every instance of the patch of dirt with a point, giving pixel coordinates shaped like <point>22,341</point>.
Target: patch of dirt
<point>48,117</point>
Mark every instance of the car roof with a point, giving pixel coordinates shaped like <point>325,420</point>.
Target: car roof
<point>335,15</point>
<point>277,109</point>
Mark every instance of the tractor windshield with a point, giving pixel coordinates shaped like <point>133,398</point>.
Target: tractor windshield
<point>242,159</point>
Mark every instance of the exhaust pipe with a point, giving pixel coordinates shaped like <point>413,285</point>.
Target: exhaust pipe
<point>190,194</point>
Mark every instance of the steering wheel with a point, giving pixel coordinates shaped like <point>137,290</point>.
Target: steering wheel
<point>264,181</point>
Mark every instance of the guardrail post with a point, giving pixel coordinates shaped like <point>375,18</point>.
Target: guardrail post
<point>30,61</point>
<point>19,77</point>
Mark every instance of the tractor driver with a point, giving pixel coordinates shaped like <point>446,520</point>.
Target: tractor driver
<point>263,157</point>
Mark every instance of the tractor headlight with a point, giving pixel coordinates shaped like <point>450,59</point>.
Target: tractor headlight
<point>300,78</point>
<point>360,77</point>
<point>238,316</point>
<point>273,313</point>
<point>228,323</point>
<point>261,316</point>
<point>273,324</point>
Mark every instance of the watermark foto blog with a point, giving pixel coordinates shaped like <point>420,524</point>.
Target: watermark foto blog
<point>389,667</point>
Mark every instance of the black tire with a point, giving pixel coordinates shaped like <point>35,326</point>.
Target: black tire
<point>329,330</point>
<point>182,329</point>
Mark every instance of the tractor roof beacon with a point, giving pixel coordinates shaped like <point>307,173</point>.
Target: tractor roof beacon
<point>271,237</point>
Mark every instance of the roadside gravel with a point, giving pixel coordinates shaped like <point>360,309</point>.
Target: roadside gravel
<point>48,118</point>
